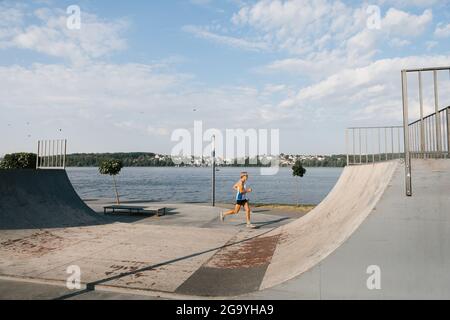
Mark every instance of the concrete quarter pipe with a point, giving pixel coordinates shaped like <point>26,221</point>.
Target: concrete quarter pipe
<point>33,199</point>
<point>407,239</point>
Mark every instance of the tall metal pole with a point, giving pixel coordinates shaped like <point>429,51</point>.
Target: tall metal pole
<point>408,179</point>
<point>422,128</point>
<point>448,131</point>
<point>438,118</point>
<point>214,171</point>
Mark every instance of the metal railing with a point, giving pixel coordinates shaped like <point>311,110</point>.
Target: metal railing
<point>373,144</point>
<point>51,154</point>
<point>429,136</point>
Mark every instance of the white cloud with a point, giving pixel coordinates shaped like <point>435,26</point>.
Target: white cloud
<point>325,41</point>
<point>319,37</point>
<point>160,131</point>
<point>371,92</point>
<point>11,15</point>
<point>442,31</point>
<point>100,102</point>
<point>398,43</point>
<point>204,33</point>
<point>297,26</point>
<point>401,23</point>
<point>200,2</point>
<point>430,45</point>
<point>301,26</point>
<point>50,35</point>
<point>415,3</point>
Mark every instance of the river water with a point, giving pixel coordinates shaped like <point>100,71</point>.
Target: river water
<point>194,184</point>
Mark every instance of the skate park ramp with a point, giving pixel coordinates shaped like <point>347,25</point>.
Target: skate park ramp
<point>307,241</point>
<point>405,241</point>
<point>34,199</point>
<point>290,250</point>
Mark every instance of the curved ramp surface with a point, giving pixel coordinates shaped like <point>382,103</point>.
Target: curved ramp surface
<point>309,240</point>
<point>291,250</point>
<point>35,199</point>
<point>401,251</point>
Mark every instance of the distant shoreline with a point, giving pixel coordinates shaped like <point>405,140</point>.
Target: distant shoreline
<point>150,159</point>
<point>193,167</point>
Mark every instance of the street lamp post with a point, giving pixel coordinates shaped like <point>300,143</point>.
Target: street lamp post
<point>214,171</point>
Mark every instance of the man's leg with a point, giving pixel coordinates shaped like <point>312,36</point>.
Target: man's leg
<point>248,213</point>
<point>236,210</point>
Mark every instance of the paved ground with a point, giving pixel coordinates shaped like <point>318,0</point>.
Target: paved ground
<point>157,254</point>
<point>20,290</point>
<point>146,252</point>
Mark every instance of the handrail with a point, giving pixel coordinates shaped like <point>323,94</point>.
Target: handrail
<point>430,136</point>
<point>383,127</point>
<point>373,144</point>
<point>429,116</point>
<point>426,69</point>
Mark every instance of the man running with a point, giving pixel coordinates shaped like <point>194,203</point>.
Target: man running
<point>241,200</point>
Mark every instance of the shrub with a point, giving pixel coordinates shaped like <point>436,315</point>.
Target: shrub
<point>19,161</point>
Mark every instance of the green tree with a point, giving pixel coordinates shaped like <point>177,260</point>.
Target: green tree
<point>19,161</point>
<point>111,167</point>
<point>298,171</point>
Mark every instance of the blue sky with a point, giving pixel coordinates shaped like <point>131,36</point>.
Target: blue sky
<point>136,70</point>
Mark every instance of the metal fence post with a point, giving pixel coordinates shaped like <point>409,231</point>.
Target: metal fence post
<point>408,179</point>
<point>438,122</point>
<point>65,153</point>
<point>354,147</point>
<point>392,142</point>
<point>373,145</point>
<point>347,146</point>
<point>379,144</point>
<point>422,129</point>
<point>386,143</point>
<point>37,155</point>
<point>448,131</point>
<point>367,145</point>
<point>360,147</point>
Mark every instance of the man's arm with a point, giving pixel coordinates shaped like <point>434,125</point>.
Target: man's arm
<point>239,187</point>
